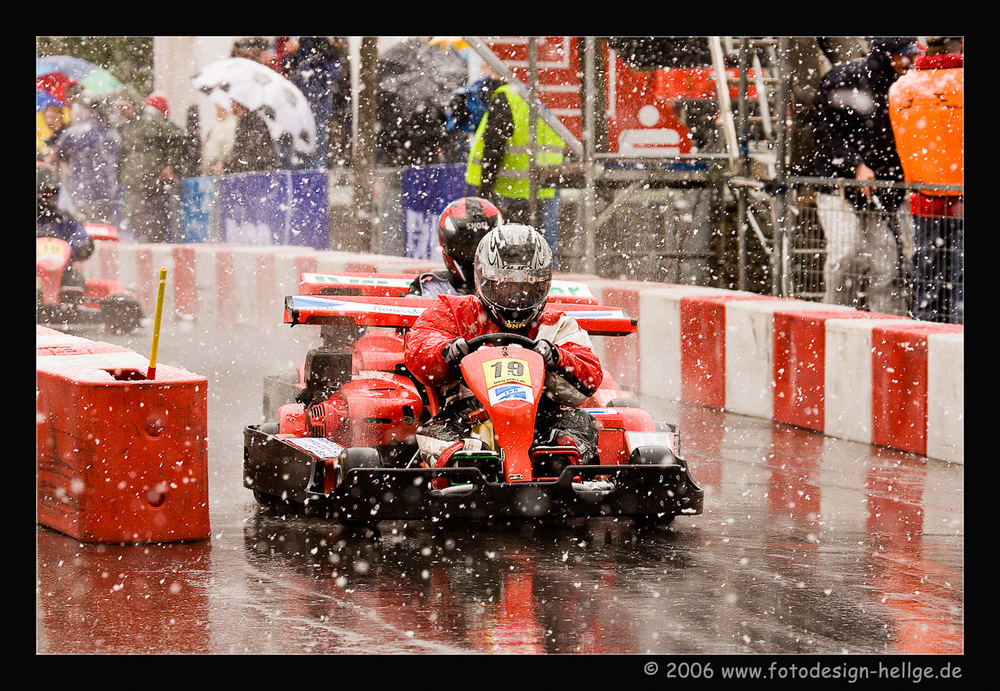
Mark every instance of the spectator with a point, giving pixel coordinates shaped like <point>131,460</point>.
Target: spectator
<point>253,148</point>
<point>465,110</point>
<point>853,139</point>
<point>252,48</point>
<point>87,152</point>
<point>49,124</point>
<point>147,170</point>
<point>191,144</point>
<point>498,164</point>
<point>312,63</point>
<point>926,108</point>
<point>806,57</point>
<point>219,140</point>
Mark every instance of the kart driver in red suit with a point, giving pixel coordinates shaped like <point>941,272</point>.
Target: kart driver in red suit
<point>513,273</point>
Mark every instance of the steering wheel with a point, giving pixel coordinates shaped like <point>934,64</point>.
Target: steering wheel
<point>500,339</point>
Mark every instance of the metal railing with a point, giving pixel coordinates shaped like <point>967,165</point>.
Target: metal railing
<point>873,253</point>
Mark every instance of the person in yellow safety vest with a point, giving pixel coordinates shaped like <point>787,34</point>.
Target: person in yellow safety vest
<point>498,167</point>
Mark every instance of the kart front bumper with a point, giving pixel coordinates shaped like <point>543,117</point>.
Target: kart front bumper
<point>277,470</point>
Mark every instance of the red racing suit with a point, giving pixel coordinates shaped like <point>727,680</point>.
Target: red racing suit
<point>575,377</point>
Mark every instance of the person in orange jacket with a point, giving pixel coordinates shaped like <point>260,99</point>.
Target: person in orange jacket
<point>926,107</point>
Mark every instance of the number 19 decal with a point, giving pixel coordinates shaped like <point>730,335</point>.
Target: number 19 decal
<point>506,371</point>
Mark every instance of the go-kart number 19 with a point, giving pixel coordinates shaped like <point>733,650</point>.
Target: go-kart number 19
<point>506,371</point>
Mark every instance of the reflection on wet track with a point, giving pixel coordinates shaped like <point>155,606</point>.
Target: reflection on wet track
<point>807,545</point>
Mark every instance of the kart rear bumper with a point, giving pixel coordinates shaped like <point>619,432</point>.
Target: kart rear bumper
<point>275,469</point>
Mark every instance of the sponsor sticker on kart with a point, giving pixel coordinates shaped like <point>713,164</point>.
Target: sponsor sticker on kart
<point>637,439</point>
<point>560,288</point>
<point>352,307</point>
<point>507,379</point>
<point>317,446</point>
<point>510,392</point>
<point>342,280</point>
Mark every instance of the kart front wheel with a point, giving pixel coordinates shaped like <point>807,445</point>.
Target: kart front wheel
<point>357,457</point>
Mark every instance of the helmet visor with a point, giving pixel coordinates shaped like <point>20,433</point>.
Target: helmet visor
<point>518,295</point>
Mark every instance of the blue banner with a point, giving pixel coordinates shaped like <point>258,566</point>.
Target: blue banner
<point>284,207</point>
<point>426,191</point>
<point>275,208</point>
<point>198,197</point>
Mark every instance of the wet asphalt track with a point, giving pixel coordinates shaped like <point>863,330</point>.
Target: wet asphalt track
<point>808,545</point>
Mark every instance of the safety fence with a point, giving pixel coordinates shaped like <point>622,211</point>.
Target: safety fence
<point>892,250</point>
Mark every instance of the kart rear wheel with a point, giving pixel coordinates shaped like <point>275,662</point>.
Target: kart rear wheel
<point>121,314</point>
<point>653,455</point>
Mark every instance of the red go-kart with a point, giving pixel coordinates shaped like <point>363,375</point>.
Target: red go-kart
<point>381,349</point>
<point>347,451</point>
<point>95,301</point>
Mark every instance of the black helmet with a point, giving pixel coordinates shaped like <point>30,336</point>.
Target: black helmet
<point>513,270</point>
<point>462,225</point>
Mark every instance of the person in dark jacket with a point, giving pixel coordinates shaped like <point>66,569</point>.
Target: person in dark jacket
<point>854,139</point>
<point>253,148</point>
<point>150,155</point>
<point>87,153</point>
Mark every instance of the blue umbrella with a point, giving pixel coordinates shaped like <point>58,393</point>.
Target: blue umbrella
<point>43,99</point>
<point>74,68</point>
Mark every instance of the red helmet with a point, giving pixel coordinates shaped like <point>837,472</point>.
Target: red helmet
<point>463,223</point>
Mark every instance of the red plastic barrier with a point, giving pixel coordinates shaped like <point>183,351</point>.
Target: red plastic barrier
<point>899,384</point>
<point>119,458</point>
<point>621,355</point>
<point>800,364</point>
<point>185,281</point>
<point>703,347</point>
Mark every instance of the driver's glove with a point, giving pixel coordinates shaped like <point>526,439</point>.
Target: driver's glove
<point>455,350</point>
<point>548,352</point>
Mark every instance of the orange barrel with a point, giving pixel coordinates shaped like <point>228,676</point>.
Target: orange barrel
<point>926,108</point>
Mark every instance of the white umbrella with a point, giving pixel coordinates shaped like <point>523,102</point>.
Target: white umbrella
<point>257,87</point>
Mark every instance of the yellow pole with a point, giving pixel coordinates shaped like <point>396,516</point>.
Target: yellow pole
<point>151,374</point>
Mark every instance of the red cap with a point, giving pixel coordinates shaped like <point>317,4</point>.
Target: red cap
<point>158,101</point>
